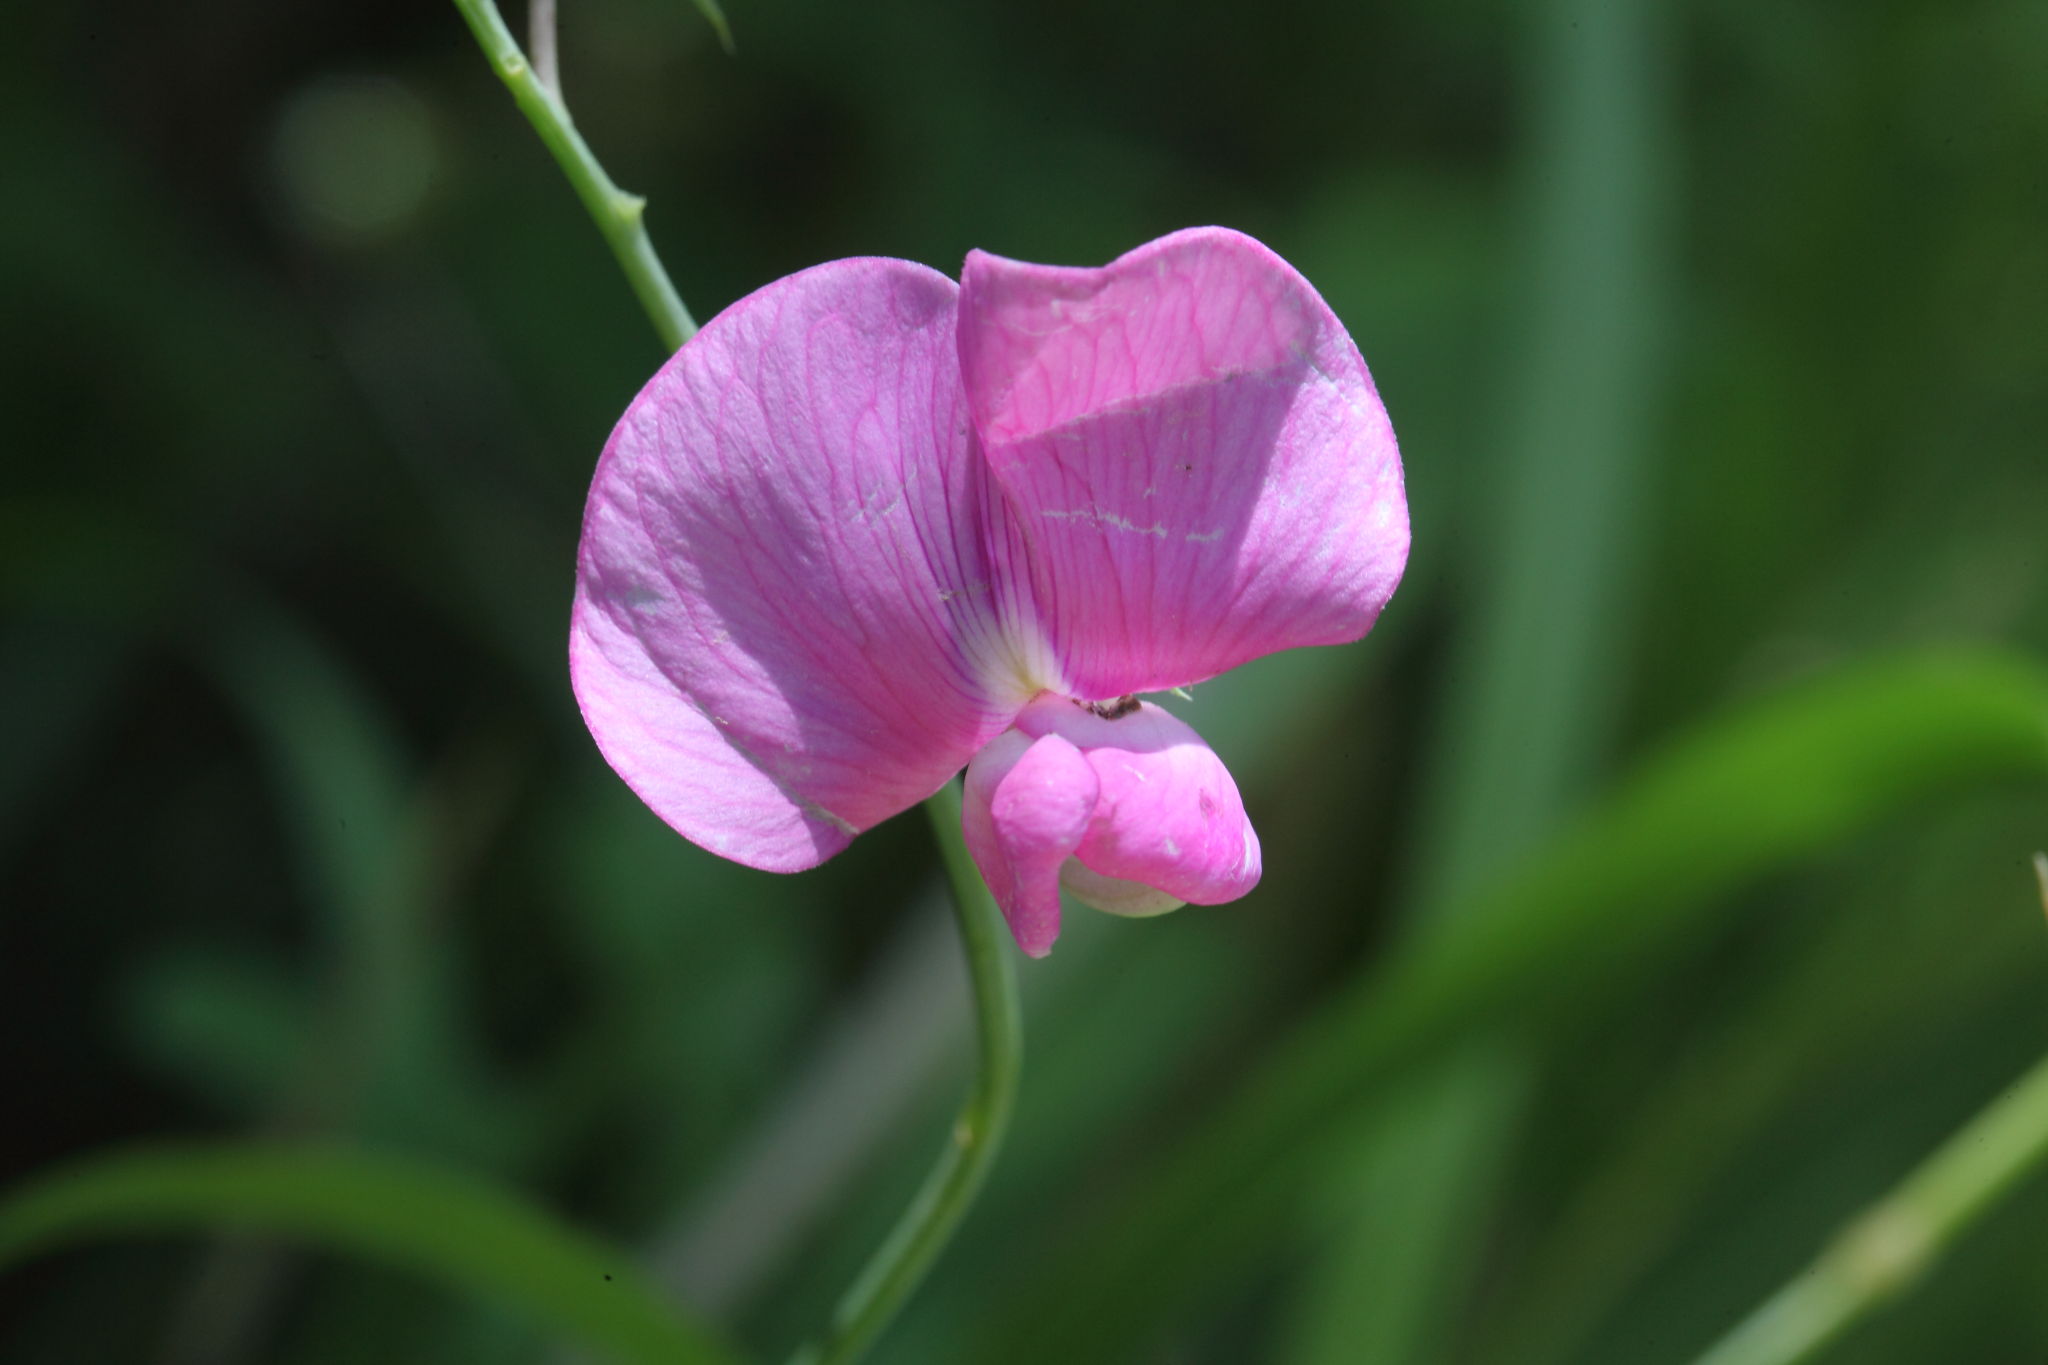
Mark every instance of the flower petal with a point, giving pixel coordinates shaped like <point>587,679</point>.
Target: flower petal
<point>1167,815</point>
<point>785,627</point>
<point>1199,464</point>
<point>1025,810</point>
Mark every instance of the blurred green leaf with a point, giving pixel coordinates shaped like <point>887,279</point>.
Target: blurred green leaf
<point>228,1026</point>
<point>1892,1245</point>
<point>340,771</point>
<point>1544,612</point>
<point>1406,1198</point>
<point>675,1071</point>
<point>714,15</point>
<point>1773,782</point>
<point>396,1050</point>
<point>470,1236</point>
<point>58,684</point>
<point>1843,999</point>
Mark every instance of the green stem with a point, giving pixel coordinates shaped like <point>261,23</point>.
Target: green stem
<point>617,213</point>
<point>900,1263</point>
<point>1886,1250</point>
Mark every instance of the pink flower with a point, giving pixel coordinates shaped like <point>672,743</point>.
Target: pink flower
<point>869,527</point>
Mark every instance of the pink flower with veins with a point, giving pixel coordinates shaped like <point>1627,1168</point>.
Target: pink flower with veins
<point>869,527</point>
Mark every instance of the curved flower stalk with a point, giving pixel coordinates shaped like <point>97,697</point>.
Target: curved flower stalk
<point>870,527</point>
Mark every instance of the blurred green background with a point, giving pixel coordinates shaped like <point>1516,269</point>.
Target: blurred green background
<point>1716,337</point>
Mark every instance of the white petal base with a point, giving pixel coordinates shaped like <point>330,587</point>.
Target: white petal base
<point>1114,894</point>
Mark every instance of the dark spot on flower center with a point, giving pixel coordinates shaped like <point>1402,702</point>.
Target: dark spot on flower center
<point>1113,710</point>
<point>1208,803</point>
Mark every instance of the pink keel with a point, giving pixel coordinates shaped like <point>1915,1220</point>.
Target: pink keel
<point>1134,816</point>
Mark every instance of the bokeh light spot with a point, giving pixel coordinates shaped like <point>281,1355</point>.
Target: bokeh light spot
<point>355,158</point>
